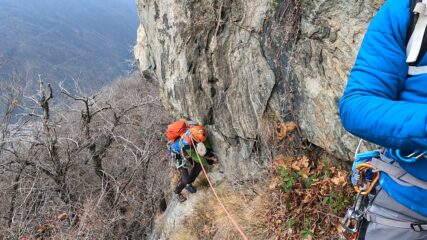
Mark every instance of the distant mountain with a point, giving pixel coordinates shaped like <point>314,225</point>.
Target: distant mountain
<point>88,40</point>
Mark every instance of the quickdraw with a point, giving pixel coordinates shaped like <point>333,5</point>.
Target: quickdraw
<point>177,160</point>
<point>183,162</point>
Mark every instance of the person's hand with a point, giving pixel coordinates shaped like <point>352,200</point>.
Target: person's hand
<point>213,159</point>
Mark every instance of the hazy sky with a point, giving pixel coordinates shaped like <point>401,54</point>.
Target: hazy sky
<point>89,40</point>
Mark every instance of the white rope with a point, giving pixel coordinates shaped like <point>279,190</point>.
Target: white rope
<point>358,148</point>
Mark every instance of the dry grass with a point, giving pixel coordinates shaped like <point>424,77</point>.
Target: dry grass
<point>209,220</point>
<point>303,199</point>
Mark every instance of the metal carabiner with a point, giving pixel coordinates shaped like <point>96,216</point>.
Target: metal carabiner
<point>353,218</point>
<point>410,158</point>
<point>365,190</point>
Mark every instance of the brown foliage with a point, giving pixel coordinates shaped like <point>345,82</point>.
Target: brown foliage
<point>91,168</point>
<point>307,198</point>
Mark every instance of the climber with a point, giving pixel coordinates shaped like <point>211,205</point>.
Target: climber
<point>385,102</point>
<point>186,141</point>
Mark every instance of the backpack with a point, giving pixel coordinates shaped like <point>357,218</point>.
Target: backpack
<point>416,39</point>
<point>176,129</point>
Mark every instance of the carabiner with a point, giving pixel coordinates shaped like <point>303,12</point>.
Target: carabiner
<point>362,168</point>
<point>353,218</point>
<point>410,158</point>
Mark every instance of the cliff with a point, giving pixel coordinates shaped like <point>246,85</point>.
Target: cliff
<point>233,65</point>
<point>228,63</point>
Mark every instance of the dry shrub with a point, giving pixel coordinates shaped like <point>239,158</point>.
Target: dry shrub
<point>115,196</point>
<point>306,199</point>
<point>300,198</point>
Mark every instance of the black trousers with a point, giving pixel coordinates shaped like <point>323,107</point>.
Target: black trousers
<point>188,178</point>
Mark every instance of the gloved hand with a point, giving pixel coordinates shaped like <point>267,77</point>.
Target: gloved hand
<point>211,160</point>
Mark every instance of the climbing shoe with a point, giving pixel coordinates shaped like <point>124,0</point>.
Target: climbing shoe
<point>180,197</point>
<point>190,188</point>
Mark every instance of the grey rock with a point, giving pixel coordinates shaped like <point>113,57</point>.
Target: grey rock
<point>208,59</point>
<point>331,33</point>
<point>225,63</point>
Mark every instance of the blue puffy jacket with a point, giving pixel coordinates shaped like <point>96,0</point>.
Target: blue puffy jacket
<point>383,105</point>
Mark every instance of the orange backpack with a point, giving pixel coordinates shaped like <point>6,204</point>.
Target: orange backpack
<point>176,129</point>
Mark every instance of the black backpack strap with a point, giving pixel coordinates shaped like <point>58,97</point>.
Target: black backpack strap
<point>411,27</point>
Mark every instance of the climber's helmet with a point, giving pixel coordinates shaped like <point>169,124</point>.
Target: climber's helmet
<point>198,134</point>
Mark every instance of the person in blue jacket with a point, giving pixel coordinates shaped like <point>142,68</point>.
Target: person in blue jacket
<point>385,102</point>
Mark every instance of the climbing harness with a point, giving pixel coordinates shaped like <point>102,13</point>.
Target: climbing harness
<point>366,172</point>
<point>392,168</point>
<point>364,178</point>
<point>236,225</point>
<point>182,162</point>
<point>177,160</point>
<point>417,227</point>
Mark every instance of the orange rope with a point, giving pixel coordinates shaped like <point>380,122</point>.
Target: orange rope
<point>217,197</point>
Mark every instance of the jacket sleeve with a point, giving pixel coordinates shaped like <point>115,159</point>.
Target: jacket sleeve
<point>370,107</point>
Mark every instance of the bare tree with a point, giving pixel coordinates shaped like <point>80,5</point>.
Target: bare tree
<point>97,159</point>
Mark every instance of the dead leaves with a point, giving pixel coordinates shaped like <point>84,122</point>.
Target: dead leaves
<point>274,183</point>
<point>281,160</point>
<point>53,225</point>
<point>284,129</point>
<point>302,165</point>
<point>340,179</point>
<point>313,193</point>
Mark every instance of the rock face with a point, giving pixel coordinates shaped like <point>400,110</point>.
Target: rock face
<point>331,33</point>
<point>225,63</point>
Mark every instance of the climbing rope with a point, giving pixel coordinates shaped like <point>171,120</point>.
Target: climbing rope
<point>236,225</point>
